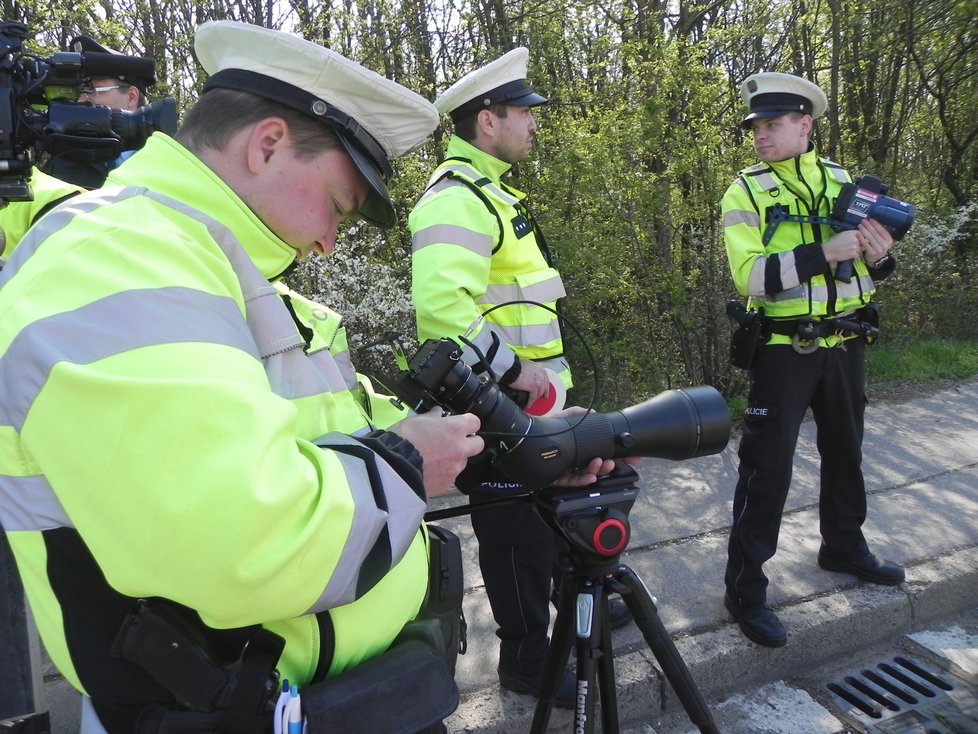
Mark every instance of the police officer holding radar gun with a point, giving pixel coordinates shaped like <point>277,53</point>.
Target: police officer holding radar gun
<point>480,267</point>
<point>806,247</point>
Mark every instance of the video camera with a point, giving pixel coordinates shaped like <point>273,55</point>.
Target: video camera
<point>676,424</point>
<point>67,128</point>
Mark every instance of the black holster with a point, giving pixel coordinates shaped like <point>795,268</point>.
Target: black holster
<point>446,588</point>
<point>407,689</point>
<point>751,333</point>
<point>213,695</point>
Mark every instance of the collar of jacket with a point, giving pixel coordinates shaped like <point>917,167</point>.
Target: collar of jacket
<point>489,166</point>
<point>803,167</point>
<point>166,167</point>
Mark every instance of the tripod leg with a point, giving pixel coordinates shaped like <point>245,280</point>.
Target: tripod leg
<point>606,671</point>
<point>557,656</point>
<point>593,656</point>
<point>646,616</point>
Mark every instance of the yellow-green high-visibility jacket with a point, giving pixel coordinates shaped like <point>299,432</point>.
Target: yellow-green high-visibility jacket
<point>789,278</point>
<point>17,217</point>
<point>168,431</point>
<point>475,246</point>
<point>325,330</point>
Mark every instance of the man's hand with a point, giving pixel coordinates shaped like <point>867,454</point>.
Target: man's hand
<point>588,474</point>
<point>875,240</point>
<point>870,238</point>
<point>445,444</point>
<point>534,379</point>
<point>842,246</point>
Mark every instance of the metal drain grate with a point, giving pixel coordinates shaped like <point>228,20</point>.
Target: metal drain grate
<point>905,696</point>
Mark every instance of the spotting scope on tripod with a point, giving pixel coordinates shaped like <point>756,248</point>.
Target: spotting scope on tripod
<point>593,520</point>
<point>536,451</point>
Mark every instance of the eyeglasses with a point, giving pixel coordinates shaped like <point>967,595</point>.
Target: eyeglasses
<point>92,91</point>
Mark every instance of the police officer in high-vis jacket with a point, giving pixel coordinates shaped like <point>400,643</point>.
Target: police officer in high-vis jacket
<point>16,695</point>
<point>480,265</point>
<point>190,481</point>
<point>791,265</point>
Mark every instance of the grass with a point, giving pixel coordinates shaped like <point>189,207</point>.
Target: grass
<point>922,361</point>
<point>918,362</point>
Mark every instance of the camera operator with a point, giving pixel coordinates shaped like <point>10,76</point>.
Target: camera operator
<point>180,438</point>
<point>126,93</point>
<point>802,360</point>
<point>475,246</point>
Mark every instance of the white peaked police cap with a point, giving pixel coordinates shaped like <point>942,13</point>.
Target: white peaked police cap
<point>772,94</point>
<point>501,82</point>
<point>375,119</point>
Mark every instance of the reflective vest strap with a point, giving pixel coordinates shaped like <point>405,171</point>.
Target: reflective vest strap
<point>838,172</point>
<point>760,178</point>
<point>474,187</point>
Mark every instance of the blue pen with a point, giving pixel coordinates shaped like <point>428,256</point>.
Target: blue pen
<point>295,712</point>
<point>283,699</point>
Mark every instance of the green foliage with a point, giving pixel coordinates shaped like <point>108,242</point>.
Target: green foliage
<point>934,290</point>
<point>637,148</point>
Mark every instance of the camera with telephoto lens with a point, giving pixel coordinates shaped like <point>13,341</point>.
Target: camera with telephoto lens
<point>39,111</point>
<point>536,451</point>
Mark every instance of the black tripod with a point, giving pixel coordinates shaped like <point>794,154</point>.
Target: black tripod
<point>594,522</point>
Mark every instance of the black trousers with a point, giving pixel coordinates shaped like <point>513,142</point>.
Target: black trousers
<point>784,384</point>
<point>517,560</point>
<point>16,680</point>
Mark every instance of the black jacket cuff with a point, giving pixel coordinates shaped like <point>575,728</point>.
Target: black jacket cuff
<point>402,456</point>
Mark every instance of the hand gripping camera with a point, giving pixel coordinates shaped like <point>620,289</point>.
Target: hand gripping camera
<point>535,451</point>
<point>66,128</point>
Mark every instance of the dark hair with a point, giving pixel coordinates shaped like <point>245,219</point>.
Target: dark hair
<point>465,127</point>
<point>220,113</point>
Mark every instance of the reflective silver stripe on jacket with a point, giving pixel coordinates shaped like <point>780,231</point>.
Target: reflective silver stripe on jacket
<point>368,522</point>
<point>741,216</point>
<point>467,172</point>
<point>545,291</point>
<point>438,234</point>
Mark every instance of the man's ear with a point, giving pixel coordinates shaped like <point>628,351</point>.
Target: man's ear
<point>268,137</point>
<point>485,121</point>
<point>807,123</point>
<point>133,94</point>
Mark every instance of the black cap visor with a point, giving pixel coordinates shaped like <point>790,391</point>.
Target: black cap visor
<point>767,106</point>
<point>528,100</point>
<point>512,94</point>
<point>377,207</point>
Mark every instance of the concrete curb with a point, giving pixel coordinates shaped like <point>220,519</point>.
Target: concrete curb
<point>826,628</point>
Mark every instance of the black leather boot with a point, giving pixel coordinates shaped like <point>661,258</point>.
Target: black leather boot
<point>758,623</point>
<point>866,567</point>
